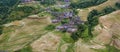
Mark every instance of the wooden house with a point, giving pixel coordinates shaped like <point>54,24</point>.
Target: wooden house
<point>71,30</point>
<point>59,28</point>
<point>55,21</point>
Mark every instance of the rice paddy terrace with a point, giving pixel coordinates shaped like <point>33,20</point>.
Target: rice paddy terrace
<point>61,26</point>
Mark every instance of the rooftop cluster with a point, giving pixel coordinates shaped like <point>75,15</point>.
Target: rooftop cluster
<point>69,16</point>
<point>70,26</point>
<point>68,20</point>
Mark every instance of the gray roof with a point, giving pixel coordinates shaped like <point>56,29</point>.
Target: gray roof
<point>59,28</point>
<point>55,21</point>
<point>68,14</point>
<point>71,30</point>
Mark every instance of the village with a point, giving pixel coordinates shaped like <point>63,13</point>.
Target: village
<point>72,20</point>
<point>67,20</point>
<point>59,26</point>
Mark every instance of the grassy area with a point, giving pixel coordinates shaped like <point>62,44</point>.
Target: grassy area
<point>65,41</point>
<point>84,12</point>
<point>60,44</point>
<point>108,49</point>
<point>15,37</point>
<point>25,49</point>
<point>70,48</point>
<point>50,27</point>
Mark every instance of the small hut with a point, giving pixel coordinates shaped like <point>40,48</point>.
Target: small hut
<point>55,21</point>
<point>71,30</point>
<point>59,28</point>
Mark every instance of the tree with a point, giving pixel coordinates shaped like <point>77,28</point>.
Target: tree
<point>86,3</point>
<point>108,10</point>
<point>26,9</point>
<point>117,5</point>
<point>92,21</point>
<point>6,7</point>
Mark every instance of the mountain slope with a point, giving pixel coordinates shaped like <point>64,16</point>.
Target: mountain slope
<point>108,29</point>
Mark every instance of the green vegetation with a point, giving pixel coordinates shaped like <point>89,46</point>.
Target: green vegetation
<point>70,48</point>
<point>108,10</point>
<point>43,14</point>
<point>81,33</point>
<point>92,21</point>
<point>25,49</point>
<point>18,13</point>
<point>8,3</point>
<point>87,3</point>
<point>108,49</point>
<point>1,27</point>
<point>50,27</point>
<point>94,16</point>
<point>60,44</point>
<point>75,11</point>
<point>11,12</point>
<point>85,30</point>
<point>67,38</point>
<point>64,21</point>
<point>6,7</point>
<point>25,9</point>
<point>47,2</point>
<point>58,9</point>
<point>117,5</point>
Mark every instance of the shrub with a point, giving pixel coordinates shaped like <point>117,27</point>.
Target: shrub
<point>50,27</point>
<point>64,21</point>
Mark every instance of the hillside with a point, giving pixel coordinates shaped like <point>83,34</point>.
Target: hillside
<point>59,26</point>
<point>107,31</point>
<point>84,12</point>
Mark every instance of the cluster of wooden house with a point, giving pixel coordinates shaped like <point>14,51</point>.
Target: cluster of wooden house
<point>74,20</point>
<point>71,26</point>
